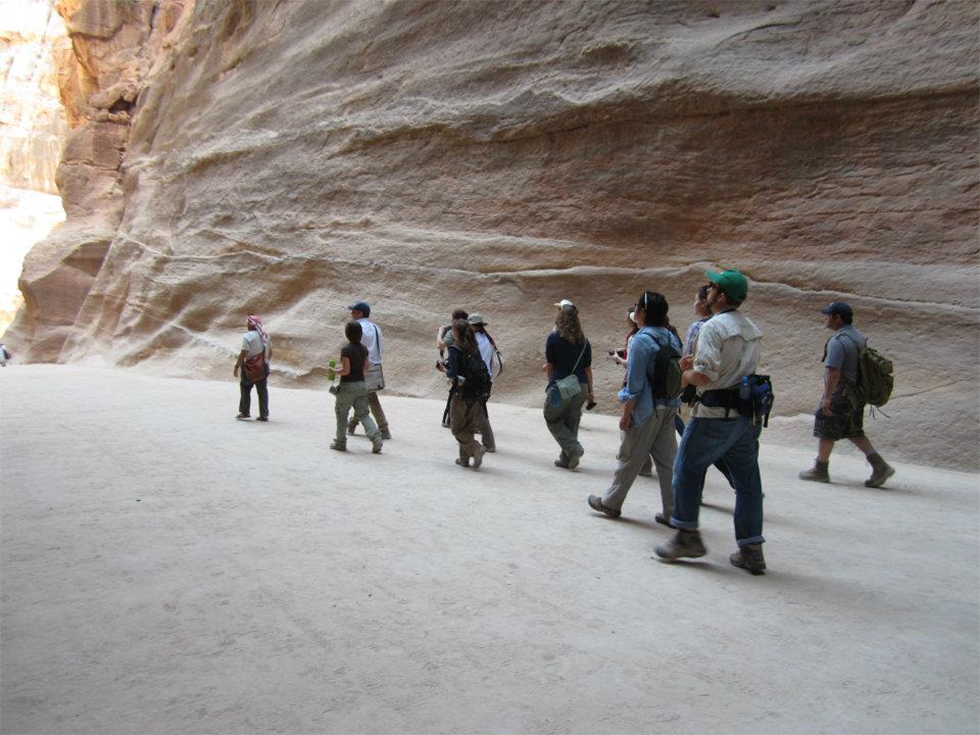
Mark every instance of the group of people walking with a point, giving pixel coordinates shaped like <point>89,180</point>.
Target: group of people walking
<point>714,371</point>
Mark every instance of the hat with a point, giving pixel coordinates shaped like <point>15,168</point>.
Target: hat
<point>362,306</point>
<point>838,308</point>
<point>475,319</point>
<point>563,303</point>
<point>732,283</point>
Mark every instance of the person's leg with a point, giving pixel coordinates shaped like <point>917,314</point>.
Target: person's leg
<point>663,449</point>
<point>742,458</point>
<point>484,428</point>
<point>704,441</point>
<point>379,414</point>
<point>633,450</point>
<point>445,413</point>
<point>245,398</point>
<point>363,414</point>
<point>572,418</point>
<point>554,419</point>
<point>262,390</point>
<point>343,400</point>
<point>824,448</point>
<point>463,425</point>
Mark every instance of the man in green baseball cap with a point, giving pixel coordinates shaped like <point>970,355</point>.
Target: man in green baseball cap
<point>732,283</point>
<point>722,426</point>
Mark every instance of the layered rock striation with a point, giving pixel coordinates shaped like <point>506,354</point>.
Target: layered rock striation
<point>287,158</point>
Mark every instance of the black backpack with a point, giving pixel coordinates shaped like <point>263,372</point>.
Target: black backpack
<point>666,377</point>
<point>476,386</point>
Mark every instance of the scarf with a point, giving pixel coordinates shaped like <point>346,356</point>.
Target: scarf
<point>255,321</point>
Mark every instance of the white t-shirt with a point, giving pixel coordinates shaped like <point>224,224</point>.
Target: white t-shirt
<point>486,350</point>
<point>252,344</point>
<point>371,339</point>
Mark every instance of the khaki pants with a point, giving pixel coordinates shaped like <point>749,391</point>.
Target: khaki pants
<point>563,421</point>
<point>464,421</point>
<point>657,438</point>
<point>353,395</point>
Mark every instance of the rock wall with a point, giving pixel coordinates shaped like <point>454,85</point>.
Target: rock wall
<point>33,46</point>
<point>287,158</point>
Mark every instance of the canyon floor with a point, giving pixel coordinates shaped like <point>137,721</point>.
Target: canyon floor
<point>167,569</point>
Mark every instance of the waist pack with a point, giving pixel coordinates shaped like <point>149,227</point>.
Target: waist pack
<point>255,367</point>
<point>752,398</point>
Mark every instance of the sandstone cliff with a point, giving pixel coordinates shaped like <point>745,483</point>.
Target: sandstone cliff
<point>33,46</point>
<point>289,157</point>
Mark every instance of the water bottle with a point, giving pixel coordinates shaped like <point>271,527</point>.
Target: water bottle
<point>331,376</point>
<point>745,390</point>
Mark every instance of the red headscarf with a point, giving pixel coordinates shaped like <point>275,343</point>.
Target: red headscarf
<point>255,321</point>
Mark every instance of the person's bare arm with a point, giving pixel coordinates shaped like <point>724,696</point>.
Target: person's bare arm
<point>239,363</point>
<point>831,377</point>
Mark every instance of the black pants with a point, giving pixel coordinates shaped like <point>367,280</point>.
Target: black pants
<point>245,404</point>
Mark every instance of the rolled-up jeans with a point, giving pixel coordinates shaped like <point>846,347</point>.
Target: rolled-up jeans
<point>703,443</point>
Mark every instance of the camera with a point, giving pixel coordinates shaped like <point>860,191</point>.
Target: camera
<point>590,405</point>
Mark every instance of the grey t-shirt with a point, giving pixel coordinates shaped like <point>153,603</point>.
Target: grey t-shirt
<point>842,351</point>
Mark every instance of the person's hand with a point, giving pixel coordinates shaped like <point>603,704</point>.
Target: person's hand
<point>624,422</point>
<point>331,373</point>
<point>825,406</point>
<point>235,371</point>
<point>687,362</point>
<point>590,397</point>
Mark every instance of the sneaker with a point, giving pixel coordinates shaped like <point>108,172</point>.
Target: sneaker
<point>338,446</point>
<point>663,520</point>
<point>880,471</point>
<point>817,473</point>
<point>750,558</point>
<point>478,457</point>
<point>595,502</point>
<point>386,435</point>
<point>376,445</point>
<point>244,416</point>
<point>684,544</point>
<point>262,418</point>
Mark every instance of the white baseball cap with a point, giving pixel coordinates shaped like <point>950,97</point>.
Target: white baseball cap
<point>563,303</point>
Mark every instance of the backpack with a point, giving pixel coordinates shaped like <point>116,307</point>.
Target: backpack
<point>875,379</point>
<point>476,384</point>
<point>666,366</point>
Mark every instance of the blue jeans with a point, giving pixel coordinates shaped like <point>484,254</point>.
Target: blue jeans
<point>704,442</point>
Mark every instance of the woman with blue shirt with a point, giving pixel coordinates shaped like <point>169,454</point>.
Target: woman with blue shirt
<point>647,422</point>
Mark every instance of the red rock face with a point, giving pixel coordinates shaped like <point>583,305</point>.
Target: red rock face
<point>287,158</point>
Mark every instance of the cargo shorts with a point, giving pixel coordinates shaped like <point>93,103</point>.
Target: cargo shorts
<point>844,421</point>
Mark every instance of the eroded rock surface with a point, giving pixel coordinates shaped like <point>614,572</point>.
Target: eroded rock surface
<point>287,158</point>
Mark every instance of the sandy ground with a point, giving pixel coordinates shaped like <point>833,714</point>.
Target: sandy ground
<point>168,569</point>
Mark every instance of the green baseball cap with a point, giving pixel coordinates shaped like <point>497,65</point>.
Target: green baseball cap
<point>732,283</point>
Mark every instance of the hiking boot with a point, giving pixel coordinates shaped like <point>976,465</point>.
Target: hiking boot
<point>463,461</point>
<point>478,457</point>
<point>351,427</point>
<point>376,444</point>
<point>385,434</point>
<point>338,446</point>
<point>684,544</point>
<point>595,502</point>
<point>262,418</point>
<point>244,416</point>
<point>663,520</point>
<point>817,473</point>
<point>880,471</point>
<point>491,450</point>
<point>574,458</point>
<point>750,558</point>
<point>562,463</point>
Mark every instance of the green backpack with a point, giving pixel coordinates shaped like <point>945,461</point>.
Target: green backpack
<point>875,376</point>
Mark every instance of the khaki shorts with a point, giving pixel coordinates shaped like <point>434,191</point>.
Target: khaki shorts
<point>843,422</point>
